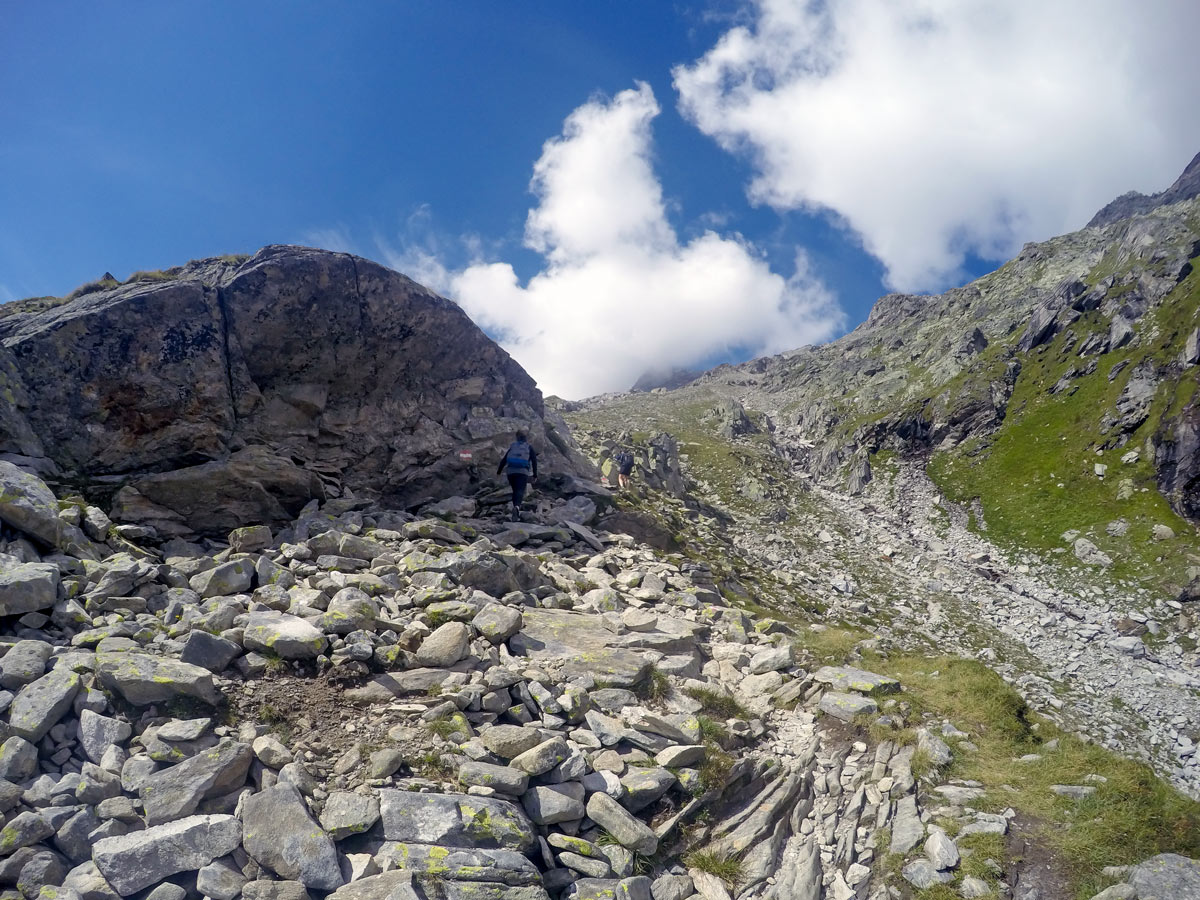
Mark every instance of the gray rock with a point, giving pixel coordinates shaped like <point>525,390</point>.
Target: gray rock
<point>972,888</point>
<point>221,879</point>
<point>346,814</point>
<point>143,679</point>
<point>541,759</point>
<point>846,678</point>
<point>27,504</point>
<point>251,539</point>
<point>1089,554</point>
<point>907,829</point>
<point>445,646</point>
<point>921,873</point>
<point>350,610</point>
<point>1115,892</point>
<point>681,756</point>
<point>497,622</point>
<point>555,803</point>
<point>770,660</point>
<point>18,759</point>
<point>24,663</point>
<point>629,831</point>
<point>27,587</point>
<point>580,644</point>
<point>504,779</point>
<point>276,890</point>
<point>40,704</point>
<point>645,785</point>
<point>209,651</point>
<point>672,887</point>
<point>178,790</point>
<point>288,637</point>
<point>454,820</point>
<point>1167,876</point>
<point>233,577</point>
<point>97,733</point>
<point>936,749</point>
<point>24,830</point>
<point>509,741</point>
<point>280,834</point>
<point>134,861</point>
<point>941,850</point>
<point>271,751</point>
<point>589,867</point>
<point>847,706</point>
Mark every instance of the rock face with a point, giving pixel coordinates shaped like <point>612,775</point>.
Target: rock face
<point>233,394</point>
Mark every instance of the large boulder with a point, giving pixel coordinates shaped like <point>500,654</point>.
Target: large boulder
<point>143,679</point>
<point>259,382</point>
<point>26,587</point>
<point>130,862</point>
<point>281,834</point>
<point>27,504</point>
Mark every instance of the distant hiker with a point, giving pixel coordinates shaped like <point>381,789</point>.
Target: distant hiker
<point>521,463</point>
<point>624,461</point>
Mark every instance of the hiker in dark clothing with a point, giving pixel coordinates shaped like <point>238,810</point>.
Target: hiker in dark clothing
<point>624,461</point>
<point>521,464</point>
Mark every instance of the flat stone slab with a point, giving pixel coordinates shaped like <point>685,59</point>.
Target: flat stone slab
<point>134,861</point>
<point>847,706</point>
<point>581,644</point>
<point>454,820</point>
<point>847,678</point>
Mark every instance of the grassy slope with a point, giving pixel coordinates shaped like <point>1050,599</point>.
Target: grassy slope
<point>1035,478</point>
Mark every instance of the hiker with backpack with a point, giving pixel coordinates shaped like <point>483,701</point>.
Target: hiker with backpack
<point>521,464</point>
<point>624,461</point>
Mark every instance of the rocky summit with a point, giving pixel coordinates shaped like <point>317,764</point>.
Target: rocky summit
<point>912,616</point>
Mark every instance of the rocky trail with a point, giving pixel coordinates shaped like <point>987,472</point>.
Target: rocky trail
<point>375,704</point>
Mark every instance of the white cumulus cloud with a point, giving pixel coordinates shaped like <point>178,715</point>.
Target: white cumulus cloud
<point>618,292</point>
<point>938,128</point>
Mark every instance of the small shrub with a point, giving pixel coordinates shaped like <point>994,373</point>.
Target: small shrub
<point>656,687</point>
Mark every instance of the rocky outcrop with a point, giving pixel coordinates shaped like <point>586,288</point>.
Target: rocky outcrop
<point>1134,203</point>
<point>231,394</point>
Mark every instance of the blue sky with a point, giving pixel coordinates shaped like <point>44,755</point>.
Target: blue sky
<point>643,184</point>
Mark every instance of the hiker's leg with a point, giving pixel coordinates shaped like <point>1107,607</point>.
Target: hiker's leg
<point>518,483</point>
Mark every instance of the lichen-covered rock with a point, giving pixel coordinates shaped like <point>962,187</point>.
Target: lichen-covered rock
<point>143,679</point>
<point>454,820</point>
<point>289,637</point>
<point>1167,876</point>
<point>39,705</point>
<point>27,587</point>
<point>280,833</point>
<point>233,577</point>
<point>134,861</point>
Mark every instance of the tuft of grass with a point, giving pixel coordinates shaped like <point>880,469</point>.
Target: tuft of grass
<point>434,766</point>
<point>152,275</point>
<point>727,868</point>
<point>711,729</point>
<point>828,647</point>
<point>715,770</point>
<point>92,287</point>
<point>656,687</point>
<point>714,703</point>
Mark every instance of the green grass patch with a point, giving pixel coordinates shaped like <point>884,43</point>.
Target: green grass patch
<point>1035,478</point>
<point>656,687</point>
<point>714,703</point>
<point>727,868</point>
<point>1132,815</point>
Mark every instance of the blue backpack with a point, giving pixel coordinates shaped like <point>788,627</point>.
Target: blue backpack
<point>519,456</point>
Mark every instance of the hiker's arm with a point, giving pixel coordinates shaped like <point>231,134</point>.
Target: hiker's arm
<point>533,460</point>
<point>500,468</point>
